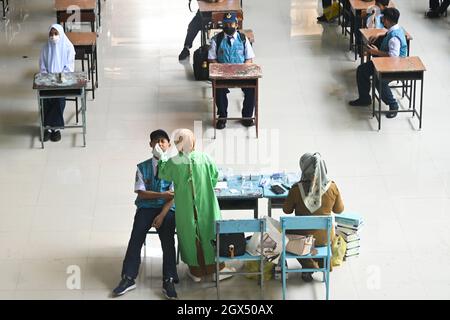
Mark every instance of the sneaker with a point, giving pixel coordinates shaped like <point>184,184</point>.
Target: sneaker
<point>225,276</point>
<point>184,54</point>
<point>194,278</point>
<point>307,276</point>
<point>221,124</point>
<point>125,285</point>
<point>55,136</point>
<point>169,289</point>
<point>248,123</point>
<point>360,103</point>
<point>432,14</point>
<point>46,135</point>
<point>322,19</point>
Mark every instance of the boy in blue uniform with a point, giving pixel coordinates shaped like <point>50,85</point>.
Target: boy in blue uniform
<point>393,45</point>
<point>155,208</point>
<point>233,48</point>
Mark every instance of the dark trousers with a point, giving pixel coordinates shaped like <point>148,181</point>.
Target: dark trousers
<point>53,112</point>
<point>195,26</point>
<point>434,5</point>
<point>142,223</point>
<point>363,74</point>
<point>222,102</point>
<point>326,3</point>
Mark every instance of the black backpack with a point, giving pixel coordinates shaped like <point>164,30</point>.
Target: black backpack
<point>201,63</point>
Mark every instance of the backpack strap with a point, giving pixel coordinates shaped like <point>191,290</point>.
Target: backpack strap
<point>221,35</point>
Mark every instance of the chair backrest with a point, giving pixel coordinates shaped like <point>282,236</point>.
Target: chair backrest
<point>238,226</point>
<point>306,223</point>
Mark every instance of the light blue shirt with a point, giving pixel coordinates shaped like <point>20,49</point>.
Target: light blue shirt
<point>212,53</point>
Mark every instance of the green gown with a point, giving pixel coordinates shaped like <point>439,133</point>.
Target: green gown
<point>204,177</point>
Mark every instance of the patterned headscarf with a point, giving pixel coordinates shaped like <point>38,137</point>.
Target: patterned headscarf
<point>314,182</point>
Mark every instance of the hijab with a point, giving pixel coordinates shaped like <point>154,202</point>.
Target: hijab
<point>185,141</point>
<point>314,182</point>
<point>58,57</point>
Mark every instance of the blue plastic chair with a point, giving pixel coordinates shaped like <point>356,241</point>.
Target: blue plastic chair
<point>238,226</point>
<point>307,223</point>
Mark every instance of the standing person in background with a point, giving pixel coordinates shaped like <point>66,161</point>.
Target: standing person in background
<point>57,56</point>
<point>437,10</point>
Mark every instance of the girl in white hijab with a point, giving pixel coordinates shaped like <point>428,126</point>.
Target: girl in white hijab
<point>57,56</point>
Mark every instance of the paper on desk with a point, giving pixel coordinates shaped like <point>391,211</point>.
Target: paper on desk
<point>222,185</point>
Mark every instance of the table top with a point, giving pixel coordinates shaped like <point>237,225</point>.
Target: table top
<point>62,5</point>
<point>254,186</point>
<point>373,32</point>
<point>82,38</point>
<point>224,5</point>
<point>230,71</point>
<point>364,5</point>
<point>395,64</point>
<point>49,81</point>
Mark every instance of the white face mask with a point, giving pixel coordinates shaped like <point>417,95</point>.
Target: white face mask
<point>54,39</point>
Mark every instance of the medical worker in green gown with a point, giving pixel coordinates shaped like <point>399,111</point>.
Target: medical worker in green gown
<point>194,175</point>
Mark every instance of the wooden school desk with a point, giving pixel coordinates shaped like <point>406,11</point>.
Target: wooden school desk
<point>225,75</point>
<point>65,12</point>
<point>400,69</point>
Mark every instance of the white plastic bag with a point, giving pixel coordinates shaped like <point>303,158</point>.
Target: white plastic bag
<point>272,241</point>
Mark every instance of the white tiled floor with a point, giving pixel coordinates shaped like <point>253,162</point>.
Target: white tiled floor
<point>71,206</point>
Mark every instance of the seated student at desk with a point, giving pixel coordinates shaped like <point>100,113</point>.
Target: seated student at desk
<point>233,48</point>
<point>393,45</point>
<point>375,14</point>
<point>57,56</point>
<point>155,208</point>
<point>437,10</point>
<point>315,194</point>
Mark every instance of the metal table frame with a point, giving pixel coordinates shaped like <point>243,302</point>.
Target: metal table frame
<point>43,94</point>
<point>412,76</point>
<point>5,6</point>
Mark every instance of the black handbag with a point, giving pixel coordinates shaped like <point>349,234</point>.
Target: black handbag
<point>231,244</point>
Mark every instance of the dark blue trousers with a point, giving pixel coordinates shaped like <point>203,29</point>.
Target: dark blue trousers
<point>222,102</point>
<point>363,74</point>
<point>195,26</point>
<point>142,223</point>
<point>53,112</point>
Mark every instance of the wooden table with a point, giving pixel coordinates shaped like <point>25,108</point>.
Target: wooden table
<point>226,75</point>
<point>357,8</point>
<point>85,44</point>
<point>401,69</point>
<point>66,12</point>
<point>5,6</point>
<point>367,34</point>
<point>48,87</point>
<point>217,9</point>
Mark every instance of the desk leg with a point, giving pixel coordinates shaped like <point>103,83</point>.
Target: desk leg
<point>257,108</point>
<point>421,102</point>
<point>99,13</point>
<point>83,115</point>
<point>256,210</point>
<point>214,106</point>
<point>91,56</point>
<point>379,102</point>
<point>269,207</point>
<point>41,118</point>
<point>96,66</point>
<point>373,96</point>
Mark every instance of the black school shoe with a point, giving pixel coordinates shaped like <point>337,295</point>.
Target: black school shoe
<point>432,14</point>
<point>169,289</point>
<point>184,54</point>
<point>55,136</point>
<point>360,103</point>
<point>125,285</point>
<point>322,19</point>
<point>248,122</point>
<point>221,124</point>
